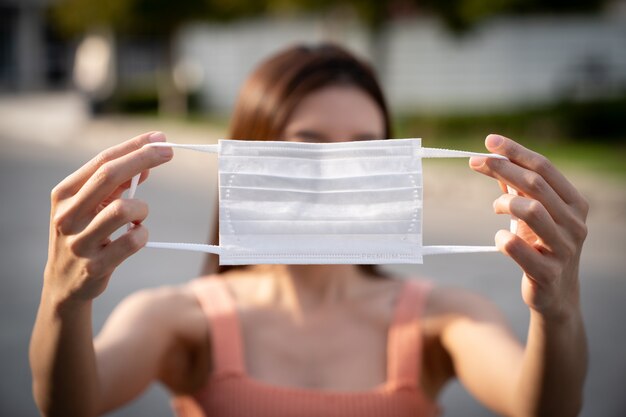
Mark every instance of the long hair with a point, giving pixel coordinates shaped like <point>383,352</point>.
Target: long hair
<point>271,93</point>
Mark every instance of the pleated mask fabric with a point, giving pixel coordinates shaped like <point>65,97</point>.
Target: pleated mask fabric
<point>320,203</point>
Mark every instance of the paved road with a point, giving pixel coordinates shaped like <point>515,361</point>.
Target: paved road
<point>180,198</point>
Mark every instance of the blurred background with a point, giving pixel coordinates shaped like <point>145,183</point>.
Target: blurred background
<point>78,76</point>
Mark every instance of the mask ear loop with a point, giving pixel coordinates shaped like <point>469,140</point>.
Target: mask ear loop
<point>514,220</point>
<point>134,182</point>
<point>453,153</point>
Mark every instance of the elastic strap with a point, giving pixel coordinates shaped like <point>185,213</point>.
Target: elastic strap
<point>194,247</point>
<point>452,153</point>
<point>218,250</point>
<point>423,152</point>
<point>446,249</point>
<point>201,148</point>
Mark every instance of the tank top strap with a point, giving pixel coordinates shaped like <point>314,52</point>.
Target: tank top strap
<point>221,312</point>
<point>404,349</point>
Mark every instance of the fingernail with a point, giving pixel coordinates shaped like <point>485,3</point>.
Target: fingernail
<point>161,150</point>
<point>157,137</point>
<point>477,161</point>
<point>165,151</point>
<point>493,141</point>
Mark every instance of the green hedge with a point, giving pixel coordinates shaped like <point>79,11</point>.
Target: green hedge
<point>600,120</point>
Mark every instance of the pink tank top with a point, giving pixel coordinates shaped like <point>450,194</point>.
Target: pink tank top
<point>230,392</point>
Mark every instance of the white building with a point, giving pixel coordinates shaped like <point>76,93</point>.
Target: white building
<point>504,63</point>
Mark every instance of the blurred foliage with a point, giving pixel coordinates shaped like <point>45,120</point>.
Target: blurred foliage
<point>162,17</point>
<point>145,101</point>
<point>599,120</point>
<point>460,15</point>
<point>135,101</point>
<point>158,18</point>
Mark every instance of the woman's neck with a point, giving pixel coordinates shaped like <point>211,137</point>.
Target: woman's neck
<point>306,289</point>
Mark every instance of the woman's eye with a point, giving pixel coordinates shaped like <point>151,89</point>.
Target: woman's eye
<point>306,136</point>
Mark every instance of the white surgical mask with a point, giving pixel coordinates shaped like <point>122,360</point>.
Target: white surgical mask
<point>320,203</point>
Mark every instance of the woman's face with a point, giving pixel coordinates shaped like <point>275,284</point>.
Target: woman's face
<point>335,114</point>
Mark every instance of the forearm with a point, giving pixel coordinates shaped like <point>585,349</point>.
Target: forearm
<point>554,367</point>
<point>86,209</point>
<point>547,245</point>
<point>62,358</point>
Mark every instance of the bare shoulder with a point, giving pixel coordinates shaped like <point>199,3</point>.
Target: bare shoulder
<point>449,305</point>
<point>170,308</point>
<point>165,324</point>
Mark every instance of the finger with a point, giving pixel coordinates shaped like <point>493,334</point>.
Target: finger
<point>142,177</point>
<point>535,162</point>
<point>503,187</point>
<point>534,214</point>
<point>122,189</point>
<point>532,262</point>
<point>70,185</point>
<point>123,247</point>
<point>529,183</point>
<point>117,214</point>
<point>110,176</point>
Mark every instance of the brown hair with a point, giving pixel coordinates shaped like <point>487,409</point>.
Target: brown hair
<point>278,84</point>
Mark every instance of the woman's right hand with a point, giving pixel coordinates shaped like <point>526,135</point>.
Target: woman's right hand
<point>87,208</point>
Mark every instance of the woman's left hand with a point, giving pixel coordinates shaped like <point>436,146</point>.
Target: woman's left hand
<point>551,228</point>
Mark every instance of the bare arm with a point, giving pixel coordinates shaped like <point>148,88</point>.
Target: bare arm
<point>148,337</point>
<point>492,364</point>
<point>486,356</point>
<point>86,210</point>
<point>547,379</point>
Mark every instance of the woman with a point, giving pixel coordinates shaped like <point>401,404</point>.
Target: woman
<point>307,339</point>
